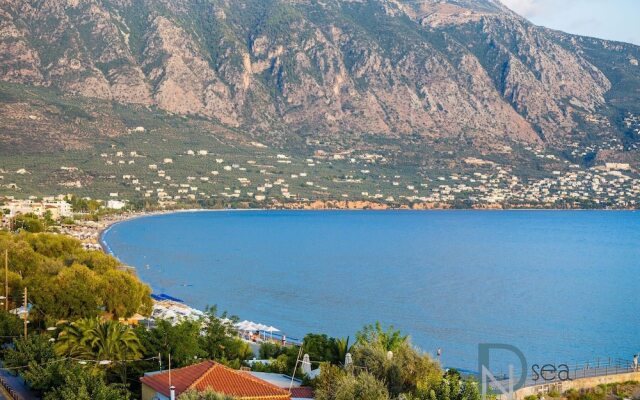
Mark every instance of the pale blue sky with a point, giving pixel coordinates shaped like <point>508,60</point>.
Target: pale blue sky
<point>607,19</point>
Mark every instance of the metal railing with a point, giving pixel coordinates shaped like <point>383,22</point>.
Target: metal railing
<point>12,392</point>
<point>570,371</point>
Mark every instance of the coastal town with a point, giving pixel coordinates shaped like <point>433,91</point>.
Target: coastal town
<point>485,184</point>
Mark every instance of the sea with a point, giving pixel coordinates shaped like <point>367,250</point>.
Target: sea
<point>562,287</point>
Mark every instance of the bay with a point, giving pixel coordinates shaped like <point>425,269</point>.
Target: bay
<point>562,286</point>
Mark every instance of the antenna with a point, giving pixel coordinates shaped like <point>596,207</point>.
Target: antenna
<point>172,389</point>
<point>293,375</point>
<point>26,312</point>
<point>6,279</point>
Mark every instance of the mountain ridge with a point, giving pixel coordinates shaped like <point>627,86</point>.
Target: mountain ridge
<point>471,71</point>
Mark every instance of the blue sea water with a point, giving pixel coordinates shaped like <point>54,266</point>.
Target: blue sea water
<point>562,286</point>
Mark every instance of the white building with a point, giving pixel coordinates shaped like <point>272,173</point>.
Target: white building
<point>116,204</point>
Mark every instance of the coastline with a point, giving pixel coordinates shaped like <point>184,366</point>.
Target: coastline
<point>106,224</point>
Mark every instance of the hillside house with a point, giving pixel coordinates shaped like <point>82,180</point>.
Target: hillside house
<point>208,375</point>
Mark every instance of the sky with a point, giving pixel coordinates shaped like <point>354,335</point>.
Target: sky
<point>606,19</point>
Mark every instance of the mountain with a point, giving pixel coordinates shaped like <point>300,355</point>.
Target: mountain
<point>419,76</point>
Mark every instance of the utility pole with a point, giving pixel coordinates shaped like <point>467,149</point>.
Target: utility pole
<point>172,389</point>
<point>26,313</point>
<point>6,279</point>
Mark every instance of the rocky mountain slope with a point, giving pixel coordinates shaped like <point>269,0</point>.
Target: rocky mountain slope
<point>466,71</point>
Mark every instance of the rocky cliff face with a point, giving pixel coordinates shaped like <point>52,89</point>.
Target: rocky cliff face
<point>456,69</point>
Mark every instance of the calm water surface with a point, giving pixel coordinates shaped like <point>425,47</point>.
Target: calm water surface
<point>562,286</point>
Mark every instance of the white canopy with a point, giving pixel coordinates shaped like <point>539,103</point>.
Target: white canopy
<point>246,326</point>
<point>261,327</point>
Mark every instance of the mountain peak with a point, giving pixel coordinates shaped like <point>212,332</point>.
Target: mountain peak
<point>340,69</point>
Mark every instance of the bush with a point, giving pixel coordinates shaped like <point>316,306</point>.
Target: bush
<point>407,371</point>
<point>77,384</point>
<point>334,384</point>
<point>269,351</point>
<point>554,393</point>
<point>29,223</point>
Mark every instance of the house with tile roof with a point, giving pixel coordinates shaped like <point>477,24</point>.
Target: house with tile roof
<point>294,386</point>
<point>209,375</point>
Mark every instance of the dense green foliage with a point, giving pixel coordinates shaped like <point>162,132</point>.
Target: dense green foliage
<point>29,223</point>
<point>335,385</point>
<point>67,282</point>
<point>384,365</point>
<point>54,377</point>
<point>77,384</point>
<point>108,341</point>
<point>189,342</point>
<point>10,326</point>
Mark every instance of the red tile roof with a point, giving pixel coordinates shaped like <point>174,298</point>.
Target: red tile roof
<point>302,392</point>
<point>209,375</point>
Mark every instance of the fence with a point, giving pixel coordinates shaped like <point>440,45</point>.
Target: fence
<point>12,392</point>
<point>566,371</point>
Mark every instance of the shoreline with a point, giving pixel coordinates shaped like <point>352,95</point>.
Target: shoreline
<point>130,216</point>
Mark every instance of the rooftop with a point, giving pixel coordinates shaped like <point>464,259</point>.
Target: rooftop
<point>209,375</point>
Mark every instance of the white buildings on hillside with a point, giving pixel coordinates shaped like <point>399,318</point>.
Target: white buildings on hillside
<point>57,209</point>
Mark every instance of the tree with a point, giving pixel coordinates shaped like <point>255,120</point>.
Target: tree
<point>269,350</point>
<point>182,341</point>
<point>67,282</point>
<point>73,340</point>
<point>327,383</point>
<point>341,348</point>
<point>390,339</point>
<point>29,223</point>
<point>110,341</point>
<point>124,295</point>
<point>337,385</point>
<point>320,348</point>
<point>403,369</point>
<point>10,326</point>
<point>75,293</point>
<point>75,383</point>
<point>35,350</point>
<point>217,335</point>
<point>452,387</point>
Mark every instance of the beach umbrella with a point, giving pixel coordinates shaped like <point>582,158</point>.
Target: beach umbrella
<point>261,327</point>
<point>306,365</point>
<point>272,329</point>
<point>247,326</point>
<point>244,325</point>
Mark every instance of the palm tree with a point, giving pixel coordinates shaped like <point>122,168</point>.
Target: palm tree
<point>103,342</point>
<point>341,349</point>
<point>72,341</point>
<point>114,341</point>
